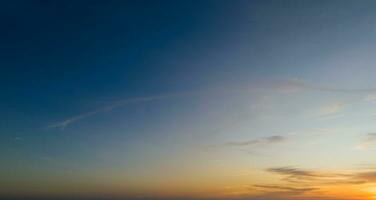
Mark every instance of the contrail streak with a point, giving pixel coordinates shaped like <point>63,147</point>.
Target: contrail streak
<point>275,84</point>
<point>108,108</point>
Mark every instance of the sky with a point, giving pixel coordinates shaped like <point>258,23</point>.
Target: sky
<point>209,99</point>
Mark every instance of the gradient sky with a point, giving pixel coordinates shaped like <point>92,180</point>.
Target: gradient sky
<point>256,100</point>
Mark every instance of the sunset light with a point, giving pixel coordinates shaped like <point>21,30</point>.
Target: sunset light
<point>188,100</point>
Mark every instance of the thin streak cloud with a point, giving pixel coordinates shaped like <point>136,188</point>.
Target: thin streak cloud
<point>275,84</point>
<point>296,176</point>
<point>63,124</point>
<point>296,84</point>
<point>262,141</point>
<point>293,172</point>
<point>286,190</point>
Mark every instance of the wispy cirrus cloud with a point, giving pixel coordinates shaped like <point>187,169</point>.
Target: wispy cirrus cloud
<point>331,109</point>
<point>267,83</point>
<point>112,106</point>
<point>300,183</point>
<point>298,84</point>
<point>284,190</point>
<point>293,172</point>
<point>297,176</point>
<point>261,141</point>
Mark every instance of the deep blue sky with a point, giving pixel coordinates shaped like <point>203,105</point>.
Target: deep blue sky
<point>58,55</point>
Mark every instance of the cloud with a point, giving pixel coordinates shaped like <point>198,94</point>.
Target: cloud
<point>66,122</point>
<point>297,183</point>
<point>107,108</point>
<point>296,176</point>
<point>300,183</point>
<point>331,109</point>
<point>369,141</point>
<point>285,190</point>
<point>267,83</point>
<point>369,176</point>
<point>275,139</point>
<point>292,172</point>
<point>297,84</point>
<point>284,196</point>
<point>262,141</point>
